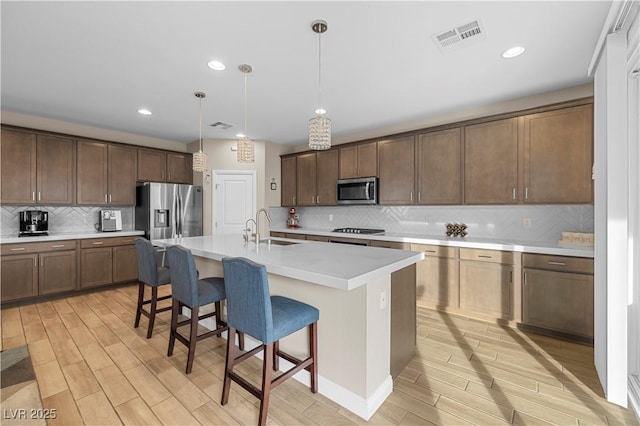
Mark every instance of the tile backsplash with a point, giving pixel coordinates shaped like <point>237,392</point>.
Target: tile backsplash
<point>63,219</point>
<point>524,223</point>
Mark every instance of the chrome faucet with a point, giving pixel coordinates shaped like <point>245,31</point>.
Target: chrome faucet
<point>257,222</point>
<point>246,229</point>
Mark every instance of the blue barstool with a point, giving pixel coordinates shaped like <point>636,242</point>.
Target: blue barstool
<point>149,273</point>
<point>192,292</point>
<point>251,310</point>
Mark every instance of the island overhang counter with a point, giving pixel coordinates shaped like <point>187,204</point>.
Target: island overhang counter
<point>350,285</point>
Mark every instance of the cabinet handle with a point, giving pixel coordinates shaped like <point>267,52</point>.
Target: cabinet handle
<point>526,193</point>
<point>411,196</point>
<point>57,245</point>
<point>419,196</point>
<point>127,241</point>
<point>429,251</point>
<point>35,264</point>
<point>317,199</point>
<point>109,198</point>
<point>557,263</point>
<point>105,198</point>
<point>294,199</point>
<point>17,249</point>
<point>98,243</point>
<point>39,196</point>
<point>33,196</point>
<point>486,256</point>
<point>513,192</point>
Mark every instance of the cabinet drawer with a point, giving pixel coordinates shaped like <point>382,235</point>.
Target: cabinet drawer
<point>107,242</point>
<point>8,249</point>
<point>494,256</point>
<point>558,263</point>
<point>435,251</point>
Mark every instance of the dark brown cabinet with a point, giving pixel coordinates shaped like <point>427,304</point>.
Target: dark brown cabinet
<point>289,181</point>
<point>105,261</point>
<point>491,162</point>
<point>437,276</point>
<point>162,166</point>
<point>34,269</point>
<point>558,293</point>
<point>558,156</point>
<point>306,179</point>
<point>106,174</point>
<point>359,161</point>
<point>439,168</point>
<point>317,176</point>
<point>396,168</point>
<point>37,168</point>
<point>179,168</point>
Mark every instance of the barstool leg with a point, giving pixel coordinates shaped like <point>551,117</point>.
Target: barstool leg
<point>193,338</point>
<point>218,316</point>
<point>140,300</point>
<point>276,360</point>
<point>267,366</point>
<point>228,365</point>
<point>175,306</point>
<point>152,312</point>
<point>313,352</point>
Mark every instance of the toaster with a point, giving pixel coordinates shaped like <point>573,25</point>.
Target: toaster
<point>110,220</point>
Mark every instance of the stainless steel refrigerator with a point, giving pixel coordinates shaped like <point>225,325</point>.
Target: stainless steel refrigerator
<point>168,210</point>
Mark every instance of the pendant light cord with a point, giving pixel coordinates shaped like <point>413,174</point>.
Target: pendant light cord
<point>246,107</point>
<point>319,70</point>
<point>200,126</point>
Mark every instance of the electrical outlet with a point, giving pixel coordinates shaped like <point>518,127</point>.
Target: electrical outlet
<point>526,222</point>
<point>383,300</point>
<point>330,218</point>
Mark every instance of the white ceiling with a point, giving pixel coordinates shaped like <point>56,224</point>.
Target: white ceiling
<point>97,63</point>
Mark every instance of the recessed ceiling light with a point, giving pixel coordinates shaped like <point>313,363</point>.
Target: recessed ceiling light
<point>513,52</point>
<point>240,135</point>
<point>320,111</point>
<point>216,65</point>
<point>144,111</point>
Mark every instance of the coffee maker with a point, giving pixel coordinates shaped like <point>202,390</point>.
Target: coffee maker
<point>34,223</point>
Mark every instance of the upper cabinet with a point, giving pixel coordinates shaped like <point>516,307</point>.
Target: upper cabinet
<point>491,162</point>
<point>558,156</point>
<point>37,168</point>
<point>106,174</point>
<point>317,176</point>
<point>359,160</point>
<point>396,160</point>
<point>439,168</point>
<point>161,166</point>
<point>289,181</point>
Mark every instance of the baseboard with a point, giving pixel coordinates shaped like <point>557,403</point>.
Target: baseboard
<point>634,394</point>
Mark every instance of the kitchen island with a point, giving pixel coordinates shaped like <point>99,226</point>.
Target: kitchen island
<point>350,285</point>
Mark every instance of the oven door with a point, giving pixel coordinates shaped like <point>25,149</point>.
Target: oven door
<point>358,191</point>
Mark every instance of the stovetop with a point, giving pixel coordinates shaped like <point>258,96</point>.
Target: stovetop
<point>359,231</point>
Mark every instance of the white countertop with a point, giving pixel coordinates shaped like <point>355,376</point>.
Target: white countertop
<point>339,266</point>
<point>539,247</point>
<point>67,236</point>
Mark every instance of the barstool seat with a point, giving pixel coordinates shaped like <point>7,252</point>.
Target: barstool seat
<point>252,310</point>
<point>154,276</point>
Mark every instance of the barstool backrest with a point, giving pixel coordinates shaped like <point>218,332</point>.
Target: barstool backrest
<point>248,298</point>
<point>184,276</point>
<point>147,266</point>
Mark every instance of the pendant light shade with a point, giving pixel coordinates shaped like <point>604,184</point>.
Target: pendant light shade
<point>200,159</point>
<point>246,147</point>
<point>320,125</point>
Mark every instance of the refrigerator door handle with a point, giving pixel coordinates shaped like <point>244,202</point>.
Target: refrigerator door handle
<point>180,219</point>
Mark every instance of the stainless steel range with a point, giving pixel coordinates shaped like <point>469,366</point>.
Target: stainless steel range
<point>367,231</point>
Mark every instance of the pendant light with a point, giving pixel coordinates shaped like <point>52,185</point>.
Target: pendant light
<point>320,125</point>
<point>246,147</point>
<point>200,159</point>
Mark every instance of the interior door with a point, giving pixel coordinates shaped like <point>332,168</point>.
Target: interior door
<point>234,201</point>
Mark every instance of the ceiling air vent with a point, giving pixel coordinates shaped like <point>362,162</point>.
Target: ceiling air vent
<point>458,37</point>
<point>221,125</point>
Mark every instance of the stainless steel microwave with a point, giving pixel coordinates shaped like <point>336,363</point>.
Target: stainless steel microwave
<point>358,191</point>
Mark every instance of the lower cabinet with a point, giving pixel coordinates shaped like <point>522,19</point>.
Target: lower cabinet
<point>35,269</point>
<point>558,293</point>
<point>105,261</point>
<point>437,277</point>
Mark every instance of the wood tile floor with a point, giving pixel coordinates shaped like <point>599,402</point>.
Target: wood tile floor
<point>94,368</point>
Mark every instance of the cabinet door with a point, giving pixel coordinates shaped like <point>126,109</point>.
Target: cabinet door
<point>326,177</point>
<point>125,264</point>
<point>491,162</point>
<point>179,168</point>
<point>57,272</point>
<point>18,167</point>
<point>349,162</point>
<point>487,289</point>
<point>306,179</point>
<point>56,170</point>
<point>19,276</point>
<point>437,282</point>
<point>397,171</point>
<point>122,175</point>
<point>288,174</point>
<point>558,156</point>
<point>559,301</point>
<point>439,170</point>
<point>92,173</point>
<point>151,165</point>
<point>95,267</point>
<point>368,159</point>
